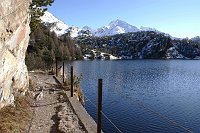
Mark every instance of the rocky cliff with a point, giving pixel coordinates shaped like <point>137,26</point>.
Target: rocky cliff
<point>14,37</point>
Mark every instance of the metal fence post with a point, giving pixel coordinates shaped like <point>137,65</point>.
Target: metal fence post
<point>72,81</point>
<point>99,114</point>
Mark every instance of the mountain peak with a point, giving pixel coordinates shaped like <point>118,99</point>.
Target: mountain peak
<point>116,27</point>
<point>48,17</point>
<point>118,22</point>
<point>58,26</point>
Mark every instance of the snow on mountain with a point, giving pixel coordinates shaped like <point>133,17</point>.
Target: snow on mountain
<point>196,39</point>
<point>148,29</point>
<point>86,31</point>
<point>124,25</point>
<point>115,27</point>
<point>48,17</point>
<point>88,28</point>
<point>58,26</point>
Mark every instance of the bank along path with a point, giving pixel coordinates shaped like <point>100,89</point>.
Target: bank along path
<point>52,112</point>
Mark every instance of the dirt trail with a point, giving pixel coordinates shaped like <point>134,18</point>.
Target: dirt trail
<point>47,105</point>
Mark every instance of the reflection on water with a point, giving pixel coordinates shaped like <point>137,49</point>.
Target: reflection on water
<point>144,95</point>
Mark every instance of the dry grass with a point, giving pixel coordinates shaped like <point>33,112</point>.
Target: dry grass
<point>16,119</point>
<point>32,85</point>
<point>79,94</point>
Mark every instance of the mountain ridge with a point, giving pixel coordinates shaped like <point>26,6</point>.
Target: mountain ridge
<point>114,27</point>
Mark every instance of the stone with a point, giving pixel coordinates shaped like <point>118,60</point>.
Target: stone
<point>39,96</point>
<point>68,121</point>
<point>14,38</point>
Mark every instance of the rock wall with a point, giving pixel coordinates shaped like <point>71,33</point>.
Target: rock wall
<point>14,38</point>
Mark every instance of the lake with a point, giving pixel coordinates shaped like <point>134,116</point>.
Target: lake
<point>144,95</point>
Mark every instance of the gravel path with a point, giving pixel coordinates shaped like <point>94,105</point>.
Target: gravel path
<point>49,105</point>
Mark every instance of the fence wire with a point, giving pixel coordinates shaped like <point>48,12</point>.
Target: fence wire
<point>142,105</point>
<point>104,115</point>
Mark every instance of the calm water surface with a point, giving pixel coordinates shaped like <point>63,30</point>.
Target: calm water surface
<point>144,95</point>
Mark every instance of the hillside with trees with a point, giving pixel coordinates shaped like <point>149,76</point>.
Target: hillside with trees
<point>44,46</point>
<point>141,45</point>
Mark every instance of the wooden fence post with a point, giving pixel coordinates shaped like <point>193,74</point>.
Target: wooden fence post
<point>99,113</point>
<point>72,81</point>
<point>63,72</point>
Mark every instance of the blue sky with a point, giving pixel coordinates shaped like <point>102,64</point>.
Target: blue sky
<point>179,18</point>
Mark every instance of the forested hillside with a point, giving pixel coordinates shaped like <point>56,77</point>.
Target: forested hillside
<point>141,45</point>
<point>44,47</point>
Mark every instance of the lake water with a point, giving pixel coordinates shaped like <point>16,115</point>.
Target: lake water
<point>150,96</point>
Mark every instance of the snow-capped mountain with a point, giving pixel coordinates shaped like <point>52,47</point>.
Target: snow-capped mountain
<point>114,27</point>
<point>58,26</point>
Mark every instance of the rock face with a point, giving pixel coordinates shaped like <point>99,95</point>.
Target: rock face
<point>14,38</point>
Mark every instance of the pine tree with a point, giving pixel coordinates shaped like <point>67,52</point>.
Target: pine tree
<point>37,9</point>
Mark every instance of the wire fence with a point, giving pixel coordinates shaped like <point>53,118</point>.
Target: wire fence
<point>142,105</point>
<point>104,115</point>
<point>146,108</point>
<point>93,104</point>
